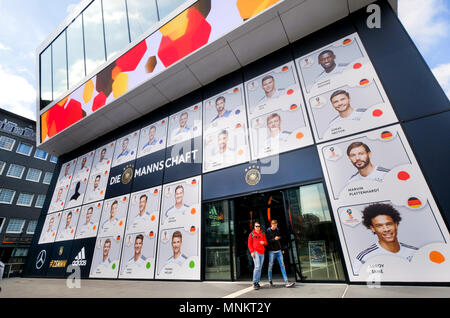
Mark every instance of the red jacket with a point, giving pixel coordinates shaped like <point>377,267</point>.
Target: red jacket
<point>254,244</point>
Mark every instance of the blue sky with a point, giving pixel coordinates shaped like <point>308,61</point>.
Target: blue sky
<point>24,25</point>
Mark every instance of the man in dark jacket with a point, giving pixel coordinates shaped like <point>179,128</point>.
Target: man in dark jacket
<point>276,251</point>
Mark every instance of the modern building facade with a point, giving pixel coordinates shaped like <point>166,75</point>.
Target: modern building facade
<point>319,114</point>
<point>25,175</point>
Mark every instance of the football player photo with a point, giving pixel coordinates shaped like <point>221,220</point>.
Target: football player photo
<point>96,187</point>
<point>103,157</point>
<point>153,138</point>
<point>66,173</point>
<point>126,149</point>
<point>51,223</point>
<point>185,125</point>
<point>59,198</point>
<point>68,225</point>
<point>138,256</point>
<point>105,262</point>
<point>83,166</point>
<point>112,221</point>
<point>143,212</point>
<point>89,220</point>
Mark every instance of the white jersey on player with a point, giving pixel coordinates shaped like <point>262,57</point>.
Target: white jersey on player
<point>377,174</point>
<point>406,252</point>
<point>179,260</point>
<point>355,115</point>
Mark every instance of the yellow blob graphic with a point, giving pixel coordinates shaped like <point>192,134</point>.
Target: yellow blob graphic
<point>88,91</point>
<point>120,85</point>
<point>177,27</point>
<point>248,9</point>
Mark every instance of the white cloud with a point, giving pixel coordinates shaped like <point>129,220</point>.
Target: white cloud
<point>422,21</point>
<point>16,94</point>
<point>442,74</point>
<point>3,47</point>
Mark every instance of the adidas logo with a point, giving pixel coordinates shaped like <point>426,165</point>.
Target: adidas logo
<point>80,260</point>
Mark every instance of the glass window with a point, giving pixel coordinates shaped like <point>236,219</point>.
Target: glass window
<point>40,201</point>
<point>33,175</point>
<point>47,178</point>
<point>46,77</point>
<point>15,171</point>
<point>25,199</point>
<point>141,15</point>
<point>2,166</point>
<point>217,244</point>
<point>116,26</point>
<point>6,195</point>
<point>53,159</point>
<point>40,154</point>
<point>316,249</point>
<point>59,60</point>
<point>20,251</point>
<point>165,7</point>
<point>24,149</point>
<point>15,226</point>
<point>2,222</point>
<point>6,143</point>
<point>93,36</point>
<point>31,227</point>
<point>75,52</point>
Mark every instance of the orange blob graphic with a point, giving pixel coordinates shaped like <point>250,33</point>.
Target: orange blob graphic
<point>299,135</point>
<point>193,211</point>
<point>437,257</point>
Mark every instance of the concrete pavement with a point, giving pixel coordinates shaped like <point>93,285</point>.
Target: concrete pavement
<point>57,288</point>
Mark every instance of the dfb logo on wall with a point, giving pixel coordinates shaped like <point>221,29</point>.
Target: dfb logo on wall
<point>120,180</point>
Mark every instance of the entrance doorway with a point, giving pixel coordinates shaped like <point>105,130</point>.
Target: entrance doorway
<point>261,207</point>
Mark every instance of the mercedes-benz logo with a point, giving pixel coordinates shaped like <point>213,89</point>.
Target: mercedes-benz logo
<point>40,260</point>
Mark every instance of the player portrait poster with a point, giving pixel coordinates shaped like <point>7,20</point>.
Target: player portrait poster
<point>96,187</point>
<point>103,157</point>
<point>50,228</point>
<point>179,231</point>
<point>342,90</point>
<point>114,214</point>
<point>68,225</point>
<point>138,256</point>
<point>143,211</point>
<point>83,166</point>
<point>277,115</point>
<point>153,138</point>
<point>185,125</point>
<point>106,259</point>
<point>381,202</point>
<point>76,192</point>
<point>126,149</point>
<point>59,198</point>
<point>225,133</point>
<point>66,173</point>
<point>89,220</point>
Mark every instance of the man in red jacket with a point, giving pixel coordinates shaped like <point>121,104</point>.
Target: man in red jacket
<point>256,242</point>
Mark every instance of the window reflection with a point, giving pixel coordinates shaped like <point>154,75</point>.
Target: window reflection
<point>46,77</point>
<point>165,7</point>
<point>75,52</point>
<point>59,65</point>
<point>93,36</point>
<point>141,16</point>
<point>116,27</point>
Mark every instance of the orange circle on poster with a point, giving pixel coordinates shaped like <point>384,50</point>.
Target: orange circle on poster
<point>299,135</point>
<point>101,192</point>
<point>94,227</point>
<point>240,152</point>
<point>437,257</point>
<point>193,211</point>
<point>403,175</point>
<point>120,223</point>
<point>152,218</point>
<point>156,191</point>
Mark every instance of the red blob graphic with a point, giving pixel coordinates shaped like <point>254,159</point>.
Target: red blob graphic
<point>403,175</point>
<point>290,92</point>
<point>377,113</point>
<point>357,65</point>
<point>99,101</point>
<point>130,60</point>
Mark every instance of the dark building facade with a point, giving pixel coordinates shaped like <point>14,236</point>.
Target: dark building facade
<point>328,125</point>
<point>25,175</point>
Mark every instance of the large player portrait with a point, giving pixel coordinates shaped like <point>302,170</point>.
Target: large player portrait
<point>185,125</point>
<point>68,225</point>
<point>143,211</point>
<point>50,228</point>
<point>225,130</point>
<point>328,65</point>
<point>153,138</point>
<point>97,186</point>
<point>138,256</point>
<point>59,198</point>
<point>114,213</point>
<point>381,238</point>
<point>103,157</point>
<point>277,116</point>
<point>83,166</point>
<point>106,259</point>
<point>357,106</point>
<point>89,220</point>
<point>126,148</point>
<point>66,173</point>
